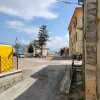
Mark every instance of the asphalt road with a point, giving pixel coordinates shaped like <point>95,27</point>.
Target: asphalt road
<point>36,62</point>
<point>42,77</point>
<point>30,65</point>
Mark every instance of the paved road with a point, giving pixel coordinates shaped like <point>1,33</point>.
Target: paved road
<point>42,77</point>
<point>30,65</point>
<point>36,62</point>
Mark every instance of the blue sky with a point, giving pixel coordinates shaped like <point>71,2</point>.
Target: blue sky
<point>22,19</point>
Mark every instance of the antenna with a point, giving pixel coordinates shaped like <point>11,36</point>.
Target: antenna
<point>73,3</point>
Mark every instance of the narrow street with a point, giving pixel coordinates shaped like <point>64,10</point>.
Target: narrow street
<point>42,77</point>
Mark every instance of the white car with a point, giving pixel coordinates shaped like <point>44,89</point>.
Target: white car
<point>21,55</point>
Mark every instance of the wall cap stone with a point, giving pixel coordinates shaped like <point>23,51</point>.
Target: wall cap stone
<point>10,73</point>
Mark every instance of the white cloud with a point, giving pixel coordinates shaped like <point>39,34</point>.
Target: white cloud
<point>28,9</point>
<point>21,27</point>
<point>25,42</point>
<point>58,42</point>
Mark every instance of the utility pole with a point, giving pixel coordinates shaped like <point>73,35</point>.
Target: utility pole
<point>17,47</point>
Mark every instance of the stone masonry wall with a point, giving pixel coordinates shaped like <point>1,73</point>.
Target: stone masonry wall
<point>98,49</point>
<point>9,79</point>
<point>90,49</point>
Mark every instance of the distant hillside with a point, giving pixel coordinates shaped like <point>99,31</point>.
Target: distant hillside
<point>3,43</point>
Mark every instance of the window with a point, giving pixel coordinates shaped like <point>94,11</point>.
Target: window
<point>75,23</point>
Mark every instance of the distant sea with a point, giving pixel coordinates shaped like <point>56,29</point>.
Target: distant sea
<point>20,50</point>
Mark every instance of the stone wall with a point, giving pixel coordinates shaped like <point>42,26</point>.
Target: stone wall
<point>90,33</point>
<point>7,80</point>
<point>98,48</point>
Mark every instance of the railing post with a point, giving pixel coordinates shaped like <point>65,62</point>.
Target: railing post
<point>0,64</point>
<point>17,59</point>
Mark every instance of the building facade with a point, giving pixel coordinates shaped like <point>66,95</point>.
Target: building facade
<point>76,32</point>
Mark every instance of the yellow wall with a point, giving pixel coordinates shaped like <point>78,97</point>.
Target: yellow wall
<point>6,55</point>
<point>75,46</point>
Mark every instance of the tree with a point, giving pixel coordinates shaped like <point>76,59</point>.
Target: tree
<point>67,50</point>
<point>42,37</point>
<point>30,49</point>
<point>35,43</point>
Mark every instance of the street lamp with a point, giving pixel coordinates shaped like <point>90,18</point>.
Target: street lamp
<point>17,45</point>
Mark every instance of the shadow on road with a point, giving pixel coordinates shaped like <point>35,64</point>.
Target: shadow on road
<point>47,85</point>
<point>60,58</point>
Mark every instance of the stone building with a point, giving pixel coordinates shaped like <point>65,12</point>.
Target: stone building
<point>36,52</point>
<point>75,32</point>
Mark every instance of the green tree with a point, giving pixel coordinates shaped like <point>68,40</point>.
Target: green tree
<point>67,50</point>
<point>42,37</point>
<point>30,49</point>
<point>35,43</point>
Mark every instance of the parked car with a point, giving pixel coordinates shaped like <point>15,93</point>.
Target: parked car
<point>21,55</point>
